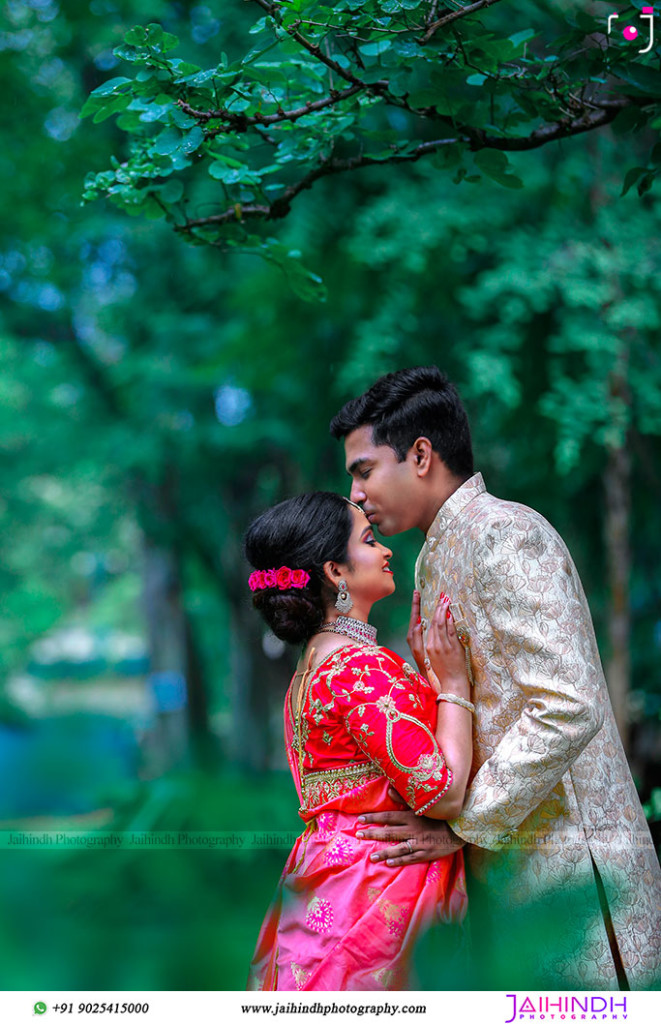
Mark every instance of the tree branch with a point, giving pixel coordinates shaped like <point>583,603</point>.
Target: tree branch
<point>238,212</point>
<point>453,16</point>
<point>313,48</point>
<point>371,28</point>
<point>280,207</point>
<point>431,16</point>
<point>476,140</point>
<point>587,122</point>
<point>240,122</point>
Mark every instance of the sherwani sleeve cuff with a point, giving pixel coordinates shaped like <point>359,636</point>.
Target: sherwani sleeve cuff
<point>478,835</point>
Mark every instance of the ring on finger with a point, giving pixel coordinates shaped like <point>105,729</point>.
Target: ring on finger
<point>409,843</point>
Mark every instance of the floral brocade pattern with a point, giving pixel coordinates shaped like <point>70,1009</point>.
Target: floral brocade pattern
<point>340,851</point>
<point>320,915</point>
<point>550,790</point>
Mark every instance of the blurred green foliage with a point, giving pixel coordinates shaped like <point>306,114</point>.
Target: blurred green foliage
<point>141,918</point>
<point>470,957</point>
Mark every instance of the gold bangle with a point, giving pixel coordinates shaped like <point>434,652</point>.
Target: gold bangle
<point>452,698</point>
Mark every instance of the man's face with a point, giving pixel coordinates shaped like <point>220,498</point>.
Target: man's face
<point>388,490</point>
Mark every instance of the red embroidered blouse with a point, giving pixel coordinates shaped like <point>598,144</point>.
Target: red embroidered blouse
<point>365,718</point>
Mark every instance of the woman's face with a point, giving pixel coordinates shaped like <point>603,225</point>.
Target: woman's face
<point>367,573</point>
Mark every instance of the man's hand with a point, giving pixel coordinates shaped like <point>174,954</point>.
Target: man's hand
<point>427,839</point>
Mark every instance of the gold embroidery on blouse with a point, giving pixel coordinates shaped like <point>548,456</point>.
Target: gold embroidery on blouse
<point>437,796</point>
<point>322,786</point>
<point>387,706</point>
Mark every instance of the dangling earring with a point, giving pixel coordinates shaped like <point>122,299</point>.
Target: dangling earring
<point>343,602</point>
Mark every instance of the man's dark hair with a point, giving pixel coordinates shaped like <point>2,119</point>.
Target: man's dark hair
<point>407,404</point>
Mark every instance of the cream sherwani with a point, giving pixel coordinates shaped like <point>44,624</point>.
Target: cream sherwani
<point>551,793</point>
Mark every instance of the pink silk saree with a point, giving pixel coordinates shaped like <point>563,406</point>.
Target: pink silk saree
<point>339,922</point>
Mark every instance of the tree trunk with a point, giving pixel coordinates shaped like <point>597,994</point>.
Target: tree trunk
<point>205,748</point>
<point>257,691</point>
<point>617,482</point>
<point>259,682</point>
<point>166,635</point>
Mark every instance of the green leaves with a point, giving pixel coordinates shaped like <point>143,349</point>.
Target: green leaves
<point>110,98</point>
<point>152,37</point>
<point>495,165</point>
<point>323,89</point>
<point>303,282</point>
<point>173,141</point>
<point>145,44</point>
<point>520,38</point>
<point>233,172</point>
<point>306,284</point>
<point>631,177</point>
<point>643,77</point>
<point>376,48</point>
<point>112,86</point>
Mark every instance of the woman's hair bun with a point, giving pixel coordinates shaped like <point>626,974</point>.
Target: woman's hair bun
<point>301,533</point>
<point>292,615</point>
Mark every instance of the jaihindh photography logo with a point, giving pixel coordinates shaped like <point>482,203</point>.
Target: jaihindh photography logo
<point>524,1007</point>
<point>632,33</point>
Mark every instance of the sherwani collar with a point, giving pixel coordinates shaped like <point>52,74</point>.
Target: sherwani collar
<point>454,505</point>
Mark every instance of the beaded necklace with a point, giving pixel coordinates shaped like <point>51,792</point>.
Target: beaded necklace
<point>362,632</point>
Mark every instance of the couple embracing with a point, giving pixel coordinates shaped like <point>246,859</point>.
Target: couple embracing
<point>489,786</point>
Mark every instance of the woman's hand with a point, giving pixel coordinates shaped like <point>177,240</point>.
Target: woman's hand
<point>414,636</point>
<point>445,654</point>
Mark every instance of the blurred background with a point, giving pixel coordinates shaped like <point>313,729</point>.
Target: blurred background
<point>154,397</point>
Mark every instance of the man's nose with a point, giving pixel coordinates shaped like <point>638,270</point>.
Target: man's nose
<point>357,493</point>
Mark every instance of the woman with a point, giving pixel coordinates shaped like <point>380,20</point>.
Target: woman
<point>357,719</point>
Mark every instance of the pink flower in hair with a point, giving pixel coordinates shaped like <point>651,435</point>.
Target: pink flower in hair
<point>299,578</point>
<point>283,577</point>
<point>270,578</point>
<point>256,580</point>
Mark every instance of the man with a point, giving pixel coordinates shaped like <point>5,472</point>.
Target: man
<point>564,883</point>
